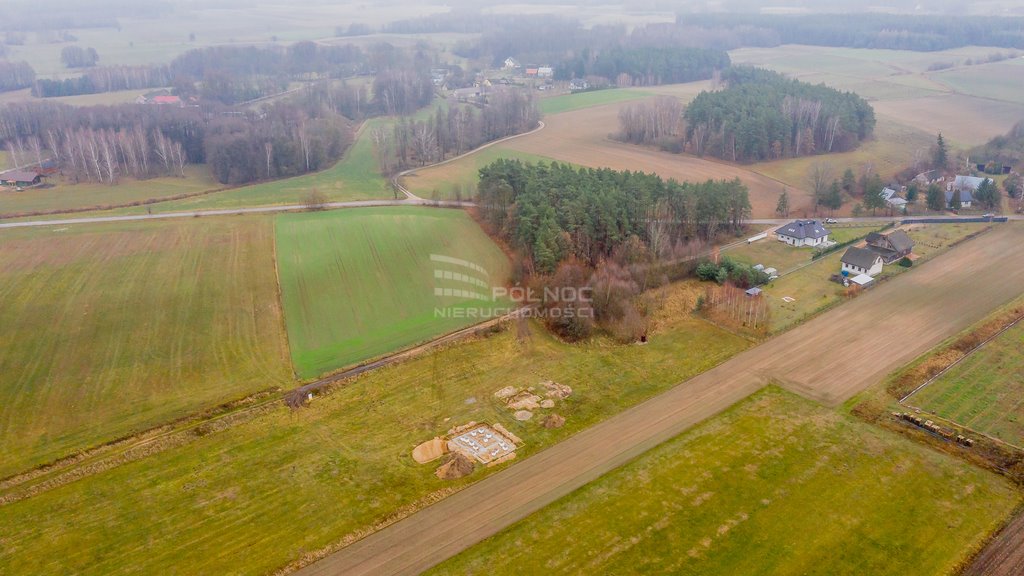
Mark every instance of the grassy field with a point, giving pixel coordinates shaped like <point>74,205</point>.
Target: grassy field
<point>441,182</point>
<point>108,329</point>
<point>359,283</point>
<point>570,102</point>
<point>755,491</point>
<point>984,392</point>
<point>812,290</point>
<point>65,196</point>
<point>337,467</point>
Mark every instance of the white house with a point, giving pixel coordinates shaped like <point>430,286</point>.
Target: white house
<point>511,63</point>
<point>967,186</point>
<point>858,261</point>
<point>545,72</point>
<point>892,199</point>
<point>803,233</point>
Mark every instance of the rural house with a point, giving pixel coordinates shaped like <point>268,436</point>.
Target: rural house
<point>967,186</point>
<point>892,199</point>
<point>803,233</point>
<point>20,178</point>
<point>861,261</point>
<point>892,246</point>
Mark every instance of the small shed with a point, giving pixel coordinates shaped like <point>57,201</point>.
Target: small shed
<point>862,279</point>
<point>20,178</point>
<point>755,291</point>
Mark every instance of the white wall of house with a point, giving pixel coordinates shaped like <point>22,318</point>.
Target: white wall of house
<point>875,269</point>
<point>802,241</point>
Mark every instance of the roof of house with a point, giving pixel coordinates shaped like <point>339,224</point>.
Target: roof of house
<point>971,182</point>
<point>19,175</point>
<point>860,257</point>
<point>888,193</point>
<point>900,241</point>
<point>965,195</point>
<point>896,201</point>
<point>801,229</point>
<point>755,291</point>
<point>166,100</point>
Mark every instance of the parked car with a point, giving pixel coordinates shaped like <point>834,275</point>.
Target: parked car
<point>831,221</point>
<point>989,215</point>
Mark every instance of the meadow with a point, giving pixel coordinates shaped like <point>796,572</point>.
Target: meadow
<point>459,178</point>
<point>985,391</point>
<point>755,491</point>
<point>342,464</point>
<point>111,329</point>
<point>359,283</point>
<point>580,100</point>
<point>84,195</point>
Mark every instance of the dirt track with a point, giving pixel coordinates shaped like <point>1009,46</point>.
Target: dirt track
<point>830,359</point>
<point>1004,555</point>
<point>581,137</point>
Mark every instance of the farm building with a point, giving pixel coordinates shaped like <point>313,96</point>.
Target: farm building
<point>861,261</point>
<point>803,233</point>
<point>20,178</point>
<point>892,246</point>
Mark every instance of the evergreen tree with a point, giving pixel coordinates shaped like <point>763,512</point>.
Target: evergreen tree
<point>834,197</point>
<point>955,203</point>
<point>873,199</point>
<point>782,208</point>
<point>941,155</point>
<point>934,198</point>
<point>849,181</point>
<point>988,194</point>
<point>912,192</point>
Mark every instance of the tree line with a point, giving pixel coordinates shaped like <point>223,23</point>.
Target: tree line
<point>555,211</point>
<point>871,30</point>
<point>102,143</point>
<point>455,129</point>
<point>15,75</point>
<point>104,79</point>
<point>763,115</point>
<point>644,65</point>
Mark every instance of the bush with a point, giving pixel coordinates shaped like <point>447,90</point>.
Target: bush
<point>906,262</point>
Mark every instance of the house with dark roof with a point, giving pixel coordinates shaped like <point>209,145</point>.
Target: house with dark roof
<point>892,246</point>
<point>967,186</point>
<point>803,233</point>
<point>861,261</point>
<point>20,178</point>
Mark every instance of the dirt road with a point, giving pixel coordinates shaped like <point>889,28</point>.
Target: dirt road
<point>829,359</point>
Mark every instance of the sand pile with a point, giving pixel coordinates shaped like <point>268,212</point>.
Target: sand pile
<point>429,451</point>
<point>553,421</point>
<point>456,466</point>
<point>556,390</point>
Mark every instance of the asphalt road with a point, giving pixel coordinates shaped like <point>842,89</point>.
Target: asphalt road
<point>830,359</point>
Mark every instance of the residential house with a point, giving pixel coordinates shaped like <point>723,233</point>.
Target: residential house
<point>578,85</point>
<point>858,261</point>
<point>466,94</point>
<point>892,246</point>
<point>892,200</point>
<point>803,233</point>
<point>511,63</point>
<point>545,72</point>
<point>531,72</point>
<point>967,186</point>
<point>21,178</point>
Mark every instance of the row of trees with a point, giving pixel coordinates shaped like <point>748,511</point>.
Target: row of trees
<point>655,121</point>
<point>104,79</point>
<point>101,143</point>
<point>763,115</point>
<point>15,75</point>
<point>455,129</point>
<point>554,211</point>
<point>78,57</point>
<point>870,30</point>
<point>644,65</point>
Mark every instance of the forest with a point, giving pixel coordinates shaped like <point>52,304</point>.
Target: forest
<point>103,143</point>
<point>552,212</point>
<point>644,66</point>
<point>1004,150</point>
<point>762,115</point>
<point>868,30</point>
<point>15,75</point>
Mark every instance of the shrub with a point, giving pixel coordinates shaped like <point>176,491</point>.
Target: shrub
<point>906,262</point>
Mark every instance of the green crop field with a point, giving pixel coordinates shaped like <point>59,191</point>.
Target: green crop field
<point>336,467</point>
<point>360,283</point>
<point>985,391</point>
<point>776,485</point>
<point>64,196</point>
<point>570,102</point>
<point>108,329</point>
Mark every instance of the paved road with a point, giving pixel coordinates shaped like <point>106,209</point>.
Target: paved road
<point>830,358</point>
<point>232,211</point>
